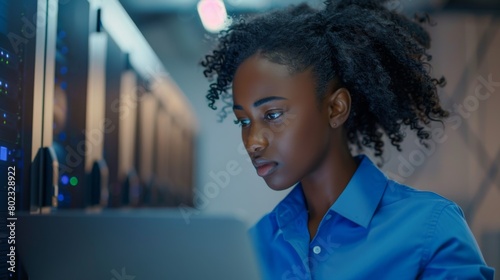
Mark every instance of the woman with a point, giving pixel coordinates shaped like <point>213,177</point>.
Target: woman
<point>306,86</point>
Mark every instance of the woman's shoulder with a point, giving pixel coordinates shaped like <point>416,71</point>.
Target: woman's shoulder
<point>397,192</point>
<point>425,206</point>
<point>448,246</point>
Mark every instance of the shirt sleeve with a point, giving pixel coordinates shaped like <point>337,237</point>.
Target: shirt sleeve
<point>452,251</point>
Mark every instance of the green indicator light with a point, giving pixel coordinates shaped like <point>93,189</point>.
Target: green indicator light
<point>73,181</point>
<point>7,62</point>
<point>4,122</point>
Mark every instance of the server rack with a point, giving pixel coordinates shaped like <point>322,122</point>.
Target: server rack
<point>145,142</point>
<point>70,106</point>
<point>65,81</point>
<point>116,65</point>
<point>23,26</point>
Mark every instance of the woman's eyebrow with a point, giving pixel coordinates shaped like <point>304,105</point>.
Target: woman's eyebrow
<point>267,99</point>
<point>261,101</point>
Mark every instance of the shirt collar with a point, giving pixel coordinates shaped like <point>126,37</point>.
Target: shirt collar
<point>290,207</point>
<point>363,193</point>
<point>357,203</point>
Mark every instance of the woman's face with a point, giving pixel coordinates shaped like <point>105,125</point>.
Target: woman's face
<point>284,129</point>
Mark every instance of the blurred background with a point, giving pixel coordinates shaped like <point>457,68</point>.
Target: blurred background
<point>102,105</point>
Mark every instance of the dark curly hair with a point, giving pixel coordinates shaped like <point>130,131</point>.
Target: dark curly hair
<point>380,56</point>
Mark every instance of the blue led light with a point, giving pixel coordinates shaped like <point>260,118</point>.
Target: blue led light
<point>60,197</point>
<point>67,199</point>
<point>7,55</point>
<point>64,70</point>
<point>3,153</point>
<point>6,85</point>
<point>0,83</point>
<point>62,136</point>
<point>64,50</point>
<point>65,179</point>
<point>64,85</point>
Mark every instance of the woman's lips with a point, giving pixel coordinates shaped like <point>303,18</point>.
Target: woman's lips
<point>266,169</point>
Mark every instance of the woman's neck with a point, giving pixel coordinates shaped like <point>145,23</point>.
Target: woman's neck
<point>325,184</point>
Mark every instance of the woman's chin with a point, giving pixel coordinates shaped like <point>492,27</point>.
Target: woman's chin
<point>275,185</point>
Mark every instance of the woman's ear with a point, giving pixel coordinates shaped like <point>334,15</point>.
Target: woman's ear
<point>339,107</point>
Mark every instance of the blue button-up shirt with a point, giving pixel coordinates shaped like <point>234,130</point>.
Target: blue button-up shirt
<point>376,229</point>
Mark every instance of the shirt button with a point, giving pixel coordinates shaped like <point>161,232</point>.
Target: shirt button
<point>317,250</point>
<point>328,217</point>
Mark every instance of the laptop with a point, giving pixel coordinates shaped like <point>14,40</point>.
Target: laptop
<point>134,245</point>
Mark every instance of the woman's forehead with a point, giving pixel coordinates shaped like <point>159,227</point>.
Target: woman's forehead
<point>261,66</point>
<point>259,73</point>
<point>258,78</point>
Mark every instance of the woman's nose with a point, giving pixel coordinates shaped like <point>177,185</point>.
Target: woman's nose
<point>257,139</point>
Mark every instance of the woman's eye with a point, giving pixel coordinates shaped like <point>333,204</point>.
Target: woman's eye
<point>242,122</point>
<point>273,115</point>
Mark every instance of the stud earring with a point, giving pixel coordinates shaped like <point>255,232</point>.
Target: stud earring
<point>334,124</point>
